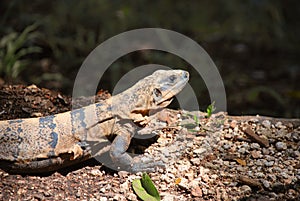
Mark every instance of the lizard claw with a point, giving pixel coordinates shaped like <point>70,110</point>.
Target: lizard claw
<point>143,164</point>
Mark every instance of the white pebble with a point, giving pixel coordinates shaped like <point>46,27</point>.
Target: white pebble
<point>266,184</point>
<point>266,124</point>
<point>255,146</point>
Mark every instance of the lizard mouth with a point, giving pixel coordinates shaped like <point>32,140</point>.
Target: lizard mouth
<point>165,102</point>
<point>167,95</point>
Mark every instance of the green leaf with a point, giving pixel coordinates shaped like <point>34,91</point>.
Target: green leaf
<point>26,51</point>
<point>141,191</point>
<point>149,186</point>
<point>145,189</point>
<point>196,120</point>
<point>13,51</point>
<point>7,39</point>
<point>210,109</point>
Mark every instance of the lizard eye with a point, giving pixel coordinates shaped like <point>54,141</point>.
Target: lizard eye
<point>157,94</point>
<point>172,78</point>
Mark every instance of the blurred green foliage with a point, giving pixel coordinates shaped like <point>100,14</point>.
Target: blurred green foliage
<point>13,51</point>
<point>244,38</point>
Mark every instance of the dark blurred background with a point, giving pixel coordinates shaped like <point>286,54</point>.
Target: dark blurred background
<point>254,43</point>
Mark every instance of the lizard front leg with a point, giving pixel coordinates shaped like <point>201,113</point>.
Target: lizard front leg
<point>122,159</point>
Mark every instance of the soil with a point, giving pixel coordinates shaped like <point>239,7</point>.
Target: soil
<point>215,158</point>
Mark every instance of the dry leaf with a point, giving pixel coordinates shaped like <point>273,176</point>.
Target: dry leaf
<point>177,181</point>
<point>241,161</point>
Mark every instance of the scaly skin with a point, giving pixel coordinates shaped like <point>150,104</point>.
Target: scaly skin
<point>48,143</point>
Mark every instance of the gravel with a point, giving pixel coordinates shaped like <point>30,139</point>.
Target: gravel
<point>217,162</point>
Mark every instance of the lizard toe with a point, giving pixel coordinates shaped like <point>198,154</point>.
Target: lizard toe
<point>144,164</point>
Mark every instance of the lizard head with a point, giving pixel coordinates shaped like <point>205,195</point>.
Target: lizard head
<point>166,85</point>
<point>155,91</point>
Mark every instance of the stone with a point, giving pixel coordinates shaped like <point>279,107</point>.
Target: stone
<point>96,172</point>
<point>204,191</point>
<point>184,184</point>
<point>295,136</point>
<point>269,163</point>
<point>199,151</point>
<point>226,146</point>
<point>266,183</point>
<point>280,146</point>
<point>272,177</point>
<point>255,146</point>
<point>265,151</point>
<point>246,189</point>
<point>168,197</point>
<point>227,136</point>
<point>242,150</point>
<point>233,124</point>
<point>256,154</point>
<point>284,175</point>
<point>260,174</point>
<point>196,191</point>
<point>266,124</point>
<point>279,125</point>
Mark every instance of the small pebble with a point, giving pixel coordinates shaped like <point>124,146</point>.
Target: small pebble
<point>226,146</point>
<point>259,162</point>
<point>246,189</point>
<point>266,183</point>
<point>260,174</point>
<point>279,125</point>
<point>78,194</point>
<point>96,172</point>
<point>233,124</point>
<point>269,163</point>
<point>295,137</point>
<point>166,152</point>
<point>227,136</point>
<point>204,191</point>
<point>272,177</point>
<point>132,196</point>
<point>280,146</point>
<point>255,146</point>
<point>265,151</point>
<point>246,145</point>
<point>266,124</point>
<point>196,191</point>
<point>284,175</point>
<point>102,190</point>
<point>199,151</point>
<point>184,183</point>
<point>296,154</point>
<point>256,154</point>
<point>242,150</point>
<point>168,197</point>
<point>195,161</point>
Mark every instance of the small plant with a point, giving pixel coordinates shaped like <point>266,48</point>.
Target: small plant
<point>210,109</point>
<point>13,51</point>
<point>191,122</point>
<point>145,189</point>
<point>196,120</point>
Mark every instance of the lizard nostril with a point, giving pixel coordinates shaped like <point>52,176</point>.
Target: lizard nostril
<point>185,75</point>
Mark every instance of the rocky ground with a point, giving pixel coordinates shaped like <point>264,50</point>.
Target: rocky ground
<point>216,158</point>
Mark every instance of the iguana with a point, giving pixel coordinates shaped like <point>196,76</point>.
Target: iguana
<point>44,144</point>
